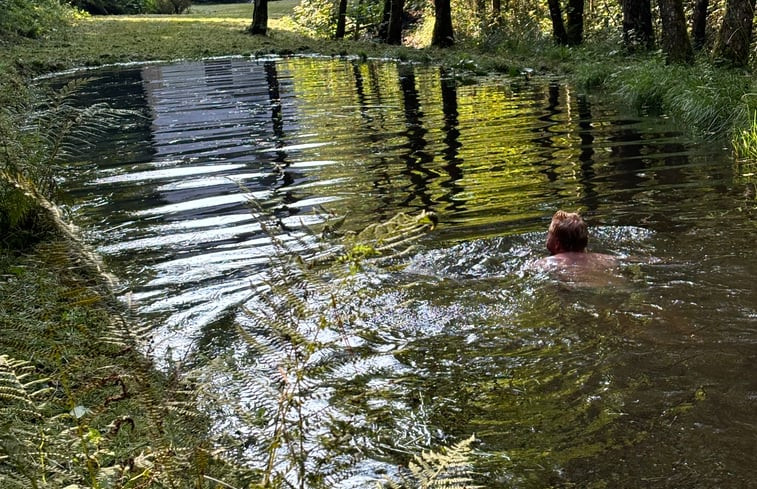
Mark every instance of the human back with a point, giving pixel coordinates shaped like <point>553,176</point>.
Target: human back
<point>567,240</point>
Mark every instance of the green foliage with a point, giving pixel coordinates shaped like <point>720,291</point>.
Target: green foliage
<point>120,7</point>
<point>745,145</point>
<point>168,6</point>
<point>34,138</point>
<point>447,468</point>
<point>294,333</point>
<point>115,7</point>
<point>32,18</point>
<point>316,17</point>
<point>707,100</point>
<point>79,405</point>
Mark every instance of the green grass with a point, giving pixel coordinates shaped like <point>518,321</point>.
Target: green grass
<point>745,142</point>
<point>79,404</point>
<point>276,10</point>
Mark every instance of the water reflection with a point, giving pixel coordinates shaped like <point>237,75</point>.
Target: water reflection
<point>624,385</point>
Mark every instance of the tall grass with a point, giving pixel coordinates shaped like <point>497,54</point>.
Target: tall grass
<point>707,100</point>
<point>745,141</point>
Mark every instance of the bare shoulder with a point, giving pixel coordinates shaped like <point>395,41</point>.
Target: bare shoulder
<point>576,260</point>
<point>582,269</point>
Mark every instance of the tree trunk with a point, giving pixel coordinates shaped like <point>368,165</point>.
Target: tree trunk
<point>699,24</point>
<point>558,28</point>
<point>638,33</point>
<point>259,26</point>
<point>394,32</point>
<point>358,19</point>
<point>383,30</point>
<point>481,18</point>
<point>496,9</point>
<point>443,36</point>
<point>736,33</point>
<point>341,19</point>
<point>675,40</point>
<point>575,12</point>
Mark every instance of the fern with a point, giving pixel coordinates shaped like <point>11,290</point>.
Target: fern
<point>34,139</point>
<point>278,412</point>
<point>448,468</point>
<point>89,412</point>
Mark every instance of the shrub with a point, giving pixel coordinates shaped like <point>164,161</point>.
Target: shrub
<point>169,6</point>
<point>112,7</point>
<point>32,18</point>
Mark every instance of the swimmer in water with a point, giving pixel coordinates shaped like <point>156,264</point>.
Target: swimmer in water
<point>567,238</point>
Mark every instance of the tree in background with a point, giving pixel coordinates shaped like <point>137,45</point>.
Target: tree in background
<point>572,35</point>
<point>638,33</point>
<point>559,34</point>
<point>675,40</point>
<point>575,15</point>
<point>259,26</point>
<point>735,36</point>
<point>443,35</point>
<point>394,28</point>
<point>699,24</point>
<point>341,19</point>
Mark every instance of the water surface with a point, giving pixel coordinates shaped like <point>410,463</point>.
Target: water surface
<point>645,380</point>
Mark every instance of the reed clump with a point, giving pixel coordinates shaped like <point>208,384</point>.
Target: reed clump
<point>710,101</point>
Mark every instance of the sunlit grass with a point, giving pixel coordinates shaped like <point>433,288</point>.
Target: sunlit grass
<point>276,10</point>
<point>745,143</point>
<point>702,98</point>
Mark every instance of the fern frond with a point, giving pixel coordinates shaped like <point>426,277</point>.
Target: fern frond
<point>447,468</point>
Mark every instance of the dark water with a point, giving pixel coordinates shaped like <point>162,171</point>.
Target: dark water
<point>643,378</point>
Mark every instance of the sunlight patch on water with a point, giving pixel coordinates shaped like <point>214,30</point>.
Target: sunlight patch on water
<point>181,240</point>
<point>203,204</point>
<point>168,173</point>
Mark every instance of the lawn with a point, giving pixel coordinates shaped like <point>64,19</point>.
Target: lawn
<point>276,10</point>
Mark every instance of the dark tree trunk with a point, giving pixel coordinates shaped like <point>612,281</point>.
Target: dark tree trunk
<point>736,33</point>
<point>638,33</point>
<point>341,19</point>
<point>259,26</point>
<point>383,30</point>
<point>443,35</point>
<point>496,9</point>
<point>358,20</point>
<point>559,33</point>
<point>699,24</point>
<point>394,32</point>
<point>675,39</point>
<point>481,17</point>
<point>575,29</point>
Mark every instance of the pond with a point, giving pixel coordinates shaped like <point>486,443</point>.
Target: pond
<point>645,379</point>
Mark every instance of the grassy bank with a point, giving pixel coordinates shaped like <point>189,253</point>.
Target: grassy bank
<point>79,405</point>
<point>708,100</point>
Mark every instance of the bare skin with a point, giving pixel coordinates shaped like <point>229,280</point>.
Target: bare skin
<point>578,259</point>
<point>569,259</point>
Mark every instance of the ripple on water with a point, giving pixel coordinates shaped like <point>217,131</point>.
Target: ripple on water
<point>560,382</point>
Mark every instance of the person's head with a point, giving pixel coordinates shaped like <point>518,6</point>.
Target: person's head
<point>567,232</point>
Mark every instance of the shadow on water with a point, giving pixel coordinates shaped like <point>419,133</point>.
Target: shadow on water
<point>641,380</point>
